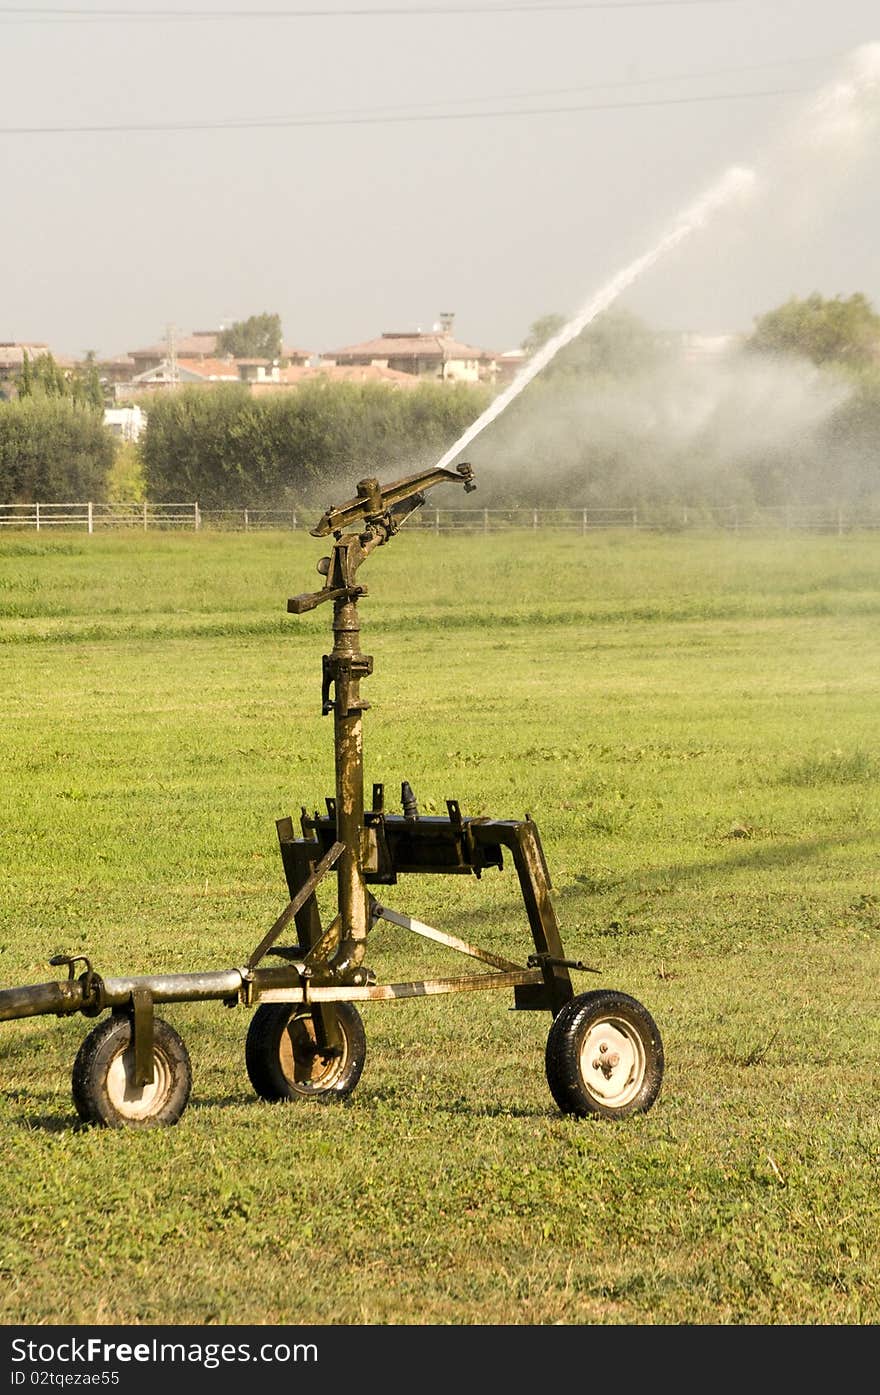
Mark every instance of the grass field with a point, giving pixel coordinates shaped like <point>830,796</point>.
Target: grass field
<point>693,724</point>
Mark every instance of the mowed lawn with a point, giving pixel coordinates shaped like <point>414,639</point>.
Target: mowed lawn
<point>693,723</point>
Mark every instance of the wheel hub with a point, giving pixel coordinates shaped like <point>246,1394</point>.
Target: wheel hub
<point>607,1060</point>
<point>137,1101</point>
<point>613,1062</point>
<point>304,1062</point>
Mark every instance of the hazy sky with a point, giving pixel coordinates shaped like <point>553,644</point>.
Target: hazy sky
<point>347,224</point>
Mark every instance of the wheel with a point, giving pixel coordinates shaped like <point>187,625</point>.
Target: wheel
<point>604,1056</point>
<point>103,1077</point>
<point>284,1061</point>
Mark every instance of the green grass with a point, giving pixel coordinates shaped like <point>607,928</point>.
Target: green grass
<point>693,724</point>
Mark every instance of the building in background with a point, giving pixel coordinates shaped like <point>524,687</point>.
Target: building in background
<point>433,355</point>
<point>182,360</point>
<point>201,344</point>
<point>125,422</point>
<point>119,369</point>
<point>326,372</point>
<point>176,373</point>
<point>509,364</point>
<point>12,356</point>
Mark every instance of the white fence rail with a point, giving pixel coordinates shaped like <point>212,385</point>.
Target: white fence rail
<point>91,517</point>
<point>94,518</point>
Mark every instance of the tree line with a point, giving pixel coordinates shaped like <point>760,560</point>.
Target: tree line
<point>53,444</point>
<point>619,418</point>
<point>229,449</point>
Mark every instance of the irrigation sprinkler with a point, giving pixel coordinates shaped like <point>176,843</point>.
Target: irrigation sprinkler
<point>306,1039</point>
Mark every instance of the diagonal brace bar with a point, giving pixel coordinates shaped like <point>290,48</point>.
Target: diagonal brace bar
<point>418,927</point>
<point>296,904</point>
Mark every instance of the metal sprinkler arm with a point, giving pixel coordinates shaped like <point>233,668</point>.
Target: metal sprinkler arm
<point>373,500</point>
<point>380,511</point>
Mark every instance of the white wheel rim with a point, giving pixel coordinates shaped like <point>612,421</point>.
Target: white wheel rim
<point>137,1101</point>
<point>613,1062</point>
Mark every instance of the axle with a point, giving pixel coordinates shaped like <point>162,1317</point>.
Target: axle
<point>92,996</point>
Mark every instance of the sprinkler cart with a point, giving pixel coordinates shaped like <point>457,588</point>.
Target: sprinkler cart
<point>306,1038</point>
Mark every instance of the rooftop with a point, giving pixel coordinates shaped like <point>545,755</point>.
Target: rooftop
<point>199,344</point>
<point>412,344</point>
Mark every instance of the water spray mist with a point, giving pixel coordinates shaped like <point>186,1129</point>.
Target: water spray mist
<point>736,183</point>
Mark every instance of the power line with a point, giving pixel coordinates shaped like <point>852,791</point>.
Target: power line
<point>586,87</point>
<point>291,122</point>
<point>19,14</point>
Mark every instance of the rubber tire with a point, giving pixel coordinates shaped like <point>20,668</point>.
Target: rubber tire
<point>270,1056</point>
<point>96,1091</point>
<point>566,1043</point>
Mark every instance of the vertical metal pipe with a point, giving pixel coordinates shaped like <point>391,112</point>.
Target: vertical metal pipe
<point>349,753</point>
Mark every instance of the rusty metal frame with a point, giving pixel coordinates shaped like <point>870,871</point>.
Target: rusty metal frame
<point>392,992</point>
<point>362,846</point>
<point>452,845</point>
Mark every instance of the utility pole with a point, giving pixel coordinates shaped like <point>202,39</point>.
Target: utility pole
<point>171,355</point>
